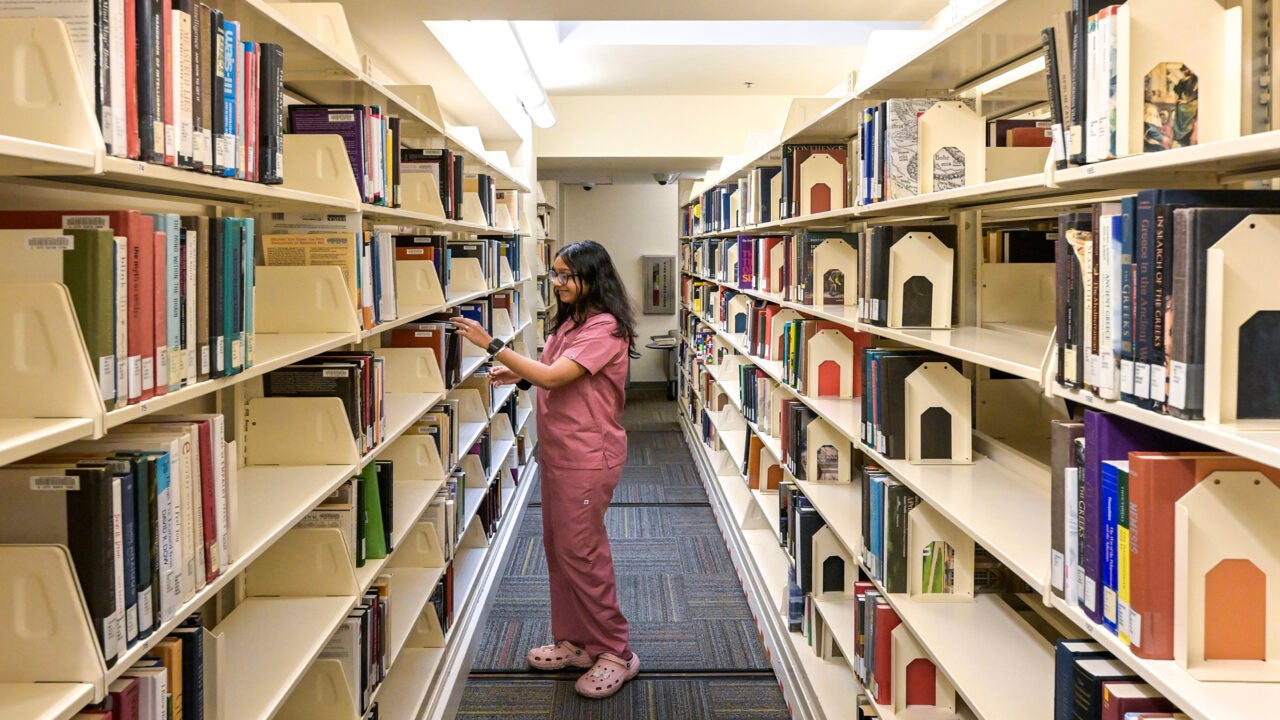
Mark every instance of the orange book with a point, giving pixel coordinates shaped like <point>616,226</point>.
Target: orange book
<point>1156,482</point>
<point>169,652</point>
<point>753,462</point>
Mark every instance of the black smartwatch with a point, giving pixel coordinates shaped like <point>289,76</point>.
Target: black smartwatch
<point>496,346</point>
<point>524,384</point>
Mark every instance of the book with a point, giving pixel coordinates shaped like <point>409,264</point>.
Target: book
<point>1087,680</point>
<point>1065,654</point>
<point>1064,481</point>
<point>1119,698</point>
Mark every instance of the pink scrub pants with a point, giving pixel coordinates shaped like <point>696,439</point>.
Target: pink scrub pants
<point>584,595</point>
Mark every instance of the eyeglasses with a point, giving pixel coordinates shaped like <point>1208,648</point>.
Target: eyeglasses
<point>561,278</point>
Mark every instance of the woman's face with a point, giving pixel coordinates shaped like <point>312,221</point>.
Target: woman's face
<point>570,289</point>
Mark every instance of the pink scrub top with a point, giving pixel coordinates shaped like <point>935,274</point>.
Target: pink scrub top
<point>579,424</point>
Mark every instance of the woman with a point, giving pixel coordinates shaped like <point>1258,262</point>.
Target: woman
<point>581,449</point>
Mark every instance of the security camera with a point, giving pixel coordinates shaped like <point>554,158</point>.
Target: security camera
<point>588,186</point>
<point>664,178</point>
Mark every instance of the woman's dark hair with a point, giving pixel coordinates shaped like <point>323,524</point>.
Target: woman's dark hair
<point>591,264</point>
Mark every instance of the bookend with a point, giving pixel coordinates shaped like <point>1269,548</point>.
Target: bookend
<point>473,210</point>
<point>1226,628</point>
<point>939,410</point>
<point>821,183</point>
<point>46,635</point>
<point>426,632</point>
<point>939,558</point>
<point>420,193</point>
<point>505,274</point>
<point>303,299</point>
<point>501,440</point>
<point>304,562</point>
<point>739,313</point>
<point>952,140</point>
<point>502,218</point>
<point>323,693</point>
<point>828,455</point>
<point>729,252</point>
<point>920,692</point>
<point>419,549</point>
<point>835,261</point>
<point>411,371</point>
<point>829,362</point>
<point>423,99</point>
<point>416,459</point>
<point>780,321</point>
<point>326,24</point>
<point>1154,109</point>
<point>297,431</point>
<point>921,272</point>
<point>466,277</point>
<point>770,473</point>
<point>501,324</point>
<point>418,284</point>
<point>1242,311</point>
<point>44,360</point>
<point>53,131</point>
<point>318,164</point>
<point>824,638</point>
<point>834,569</point>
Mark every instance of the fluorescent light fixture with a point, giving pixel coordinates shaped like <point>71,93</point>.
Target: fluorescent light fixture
<point>490,52</point>
<point>1035,66</point>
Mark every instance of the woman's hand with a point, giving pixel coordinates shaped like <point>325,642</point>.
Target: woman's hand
<point>473,331</point>
<point>500,375</point>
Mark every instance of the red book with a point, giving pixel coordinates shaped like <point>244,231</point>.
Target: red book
<point>251,85</point>
<point>1120,697</point>
<point>886,621</point>
<point>1156,482</point>
<point>160,264</point>
<point>139,230</point>
<point>168,68</point>
<point>125,698</point>
<point>133,145</point>
<point>420,335</point>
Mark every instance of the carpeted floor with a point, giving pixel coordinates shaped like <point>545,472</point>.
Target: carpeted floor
<point>698,644</point>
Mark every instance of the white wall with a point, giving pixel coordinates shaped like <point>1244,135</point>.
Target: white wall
<point>630,221</point>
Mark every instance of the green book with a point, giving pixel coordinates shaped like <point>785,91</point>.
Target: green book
<point>375,541</point>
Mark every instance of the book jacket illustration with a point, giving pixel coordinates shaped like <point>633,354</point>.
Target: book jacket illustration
<point>938,569</point>
<point>948,169</point>
<point>833,287</point>
<point>1170,107</point>
<point>828,464</point>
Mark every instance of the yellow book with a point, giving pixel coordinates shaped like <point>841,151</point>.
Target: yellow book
<point>340,249</point>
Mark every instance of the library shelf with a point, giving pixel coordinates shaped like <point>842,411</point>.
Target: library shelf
<point>403,692</point>
<point>830,681</point>
<point>942,203</point>
<point>1254,443</point>
<point>1210,164</point>
<point>43,701</point>
<point>507,494</point>
<point>467,562</point>
<point>472,498</point>
<point>23,437</point>
<point>274,640</point>
<point>147,177</point>
<point>737,495</point>
<point>472,363</point>
<point>995,35</point>
<point>951,632</point>
<point>1004,510</point>
<point>843,414</point>
<point>1014,349</point>
<point>498,453</point>
<point>1200,700</point>
<point>23,156</point>
<point>272,499</point>
<point>838,612</point>
<point>522,418</point>
<point>410,590</point>
<point>768,503</point>
<point>469,434</point>
<point>500,397</point>
<point>308,55</point>
<point>272,350</point>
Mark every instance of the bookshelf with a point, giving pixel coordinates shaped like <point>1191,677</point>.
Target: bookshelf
<point>269,613</point>
<point>1002,500</point>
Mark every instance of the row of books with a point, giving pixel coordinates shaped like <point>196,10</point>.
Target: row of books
<point>372,139</point>
<point>778,264</point>
<point>1116,487</point>
<point>360,644</point>
<point>874,623</point>
<point>356,377</point>
<point>1089,683</point>
<point>363,508</point>
<point>147,513</point>
<point>163,301</point>
<point>1132,281</point>
<point>799,522</point>
<point>884,407</point>
<point>447,168</point>
<point>811,178</point>
<point>174,82</point>
<point>176,679</point>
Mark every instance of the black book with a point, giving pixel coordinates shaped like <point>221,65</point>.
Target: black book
<point>1087,678</point>
<point>271,114</point>
<point>338,379</point>
<point>1029,246</point>
<point>808,523</point>
<point>458,173</point>
<point>146,20</point>
<point>393,128</point>
<point>147,541</point>
<point>191,633</point>
<point>199,66</point>
<point>1049,46</point>
<point>183,119</point>
<point>102,99</point>
<point>217,126</point>
<point>386,493</point>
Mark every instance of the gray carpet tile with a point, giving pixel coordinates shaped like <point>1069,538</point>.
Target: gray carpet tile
<point>641,699</point>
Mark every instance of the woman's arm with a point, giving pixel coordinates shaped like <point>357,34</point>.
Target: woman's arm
<point>549,377</point>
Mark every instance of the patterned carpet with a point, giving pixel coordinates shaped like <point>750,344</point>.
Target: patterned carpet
<point>699,646</point>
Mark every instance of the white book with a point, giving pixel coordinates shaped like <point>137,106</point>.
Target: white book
<point>117,559</point>
<point>190,364</point>
<point>387,308</point>
<point>153,691</point>
<point>232,467</point>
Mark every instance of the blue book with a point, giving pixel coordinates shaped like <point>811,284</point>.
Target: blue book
<point>877,527</point>
<point>1109,493</point>
<point>227,148</point>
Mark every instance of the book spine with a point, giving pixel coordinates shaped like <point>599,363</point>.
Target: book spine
<point>271,162</point>
<point>217,92</point>
<point>241,103</point>
<point>1127,300</point>
<point>160,306</point>
<point>182,73</point>
<point>1080,10</point>
<point>199,66</point>
<point>1144,294</point>
<point>102,70</point>
<point>1161,286</point>
<point>1108,494</point>
<point>1049,45</point>
<point>228,148</point>
<point>168,80</point>
<point>116,125</point>
<point>1123,590</point>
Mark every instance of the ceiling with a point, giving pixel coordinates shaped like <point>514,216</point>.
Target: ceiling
<point>579,47</point>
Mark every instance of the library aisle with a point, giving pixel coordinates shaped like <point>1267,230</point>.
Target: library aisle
<point>699,648</point>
